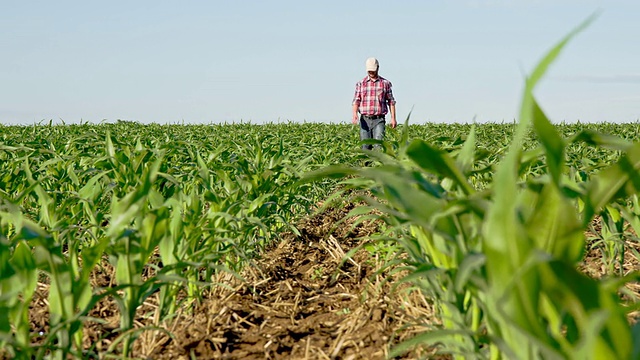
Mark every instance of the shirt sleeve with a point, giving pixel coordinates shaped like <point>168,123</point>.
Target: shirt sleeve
<point>390,99</point>
<point>357,97</point>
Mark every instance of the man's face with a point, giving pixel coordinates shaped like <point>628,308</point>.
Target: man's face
<point>373,74</point>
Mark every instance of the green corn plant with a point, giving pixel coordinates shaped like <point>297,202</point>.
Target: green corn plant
<point>138,224</point>
<point>543,240</point>
<point>632,215</point>
<point>18,281</point>
<point>70,296</point>
<point>174,249</point>
<point>611,239</point>
<point>69,292</point>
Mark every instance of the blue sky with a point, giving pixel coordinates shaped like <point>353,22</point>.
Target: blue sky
<point>271,61</point>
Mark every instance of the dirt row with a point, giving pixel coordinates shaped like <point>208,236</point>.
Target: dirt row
<point>302,301</point>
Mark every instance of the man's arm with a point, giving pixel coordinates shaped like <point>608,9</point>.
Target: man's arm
<point>391,102</point>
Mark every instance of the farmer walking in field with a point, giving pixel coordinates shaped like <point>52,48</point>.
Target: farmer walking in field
<point>373,100</point>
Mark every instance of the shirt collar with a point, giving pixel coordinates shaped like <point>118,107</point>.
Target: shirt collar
<point>367,78</point>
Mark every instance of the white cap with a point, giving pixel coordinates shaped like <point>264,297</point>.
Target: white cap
<point>372,64</point>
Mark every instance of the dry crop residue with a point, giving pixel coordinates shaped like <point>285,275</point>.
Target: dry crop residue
<point>303,302</point>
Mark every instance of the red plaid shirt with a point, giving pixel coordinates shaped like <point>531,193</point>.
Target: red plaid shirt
<point>373,96</point>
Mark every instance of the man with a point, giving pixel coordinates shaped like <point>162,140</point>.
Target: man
<point>373,100</point>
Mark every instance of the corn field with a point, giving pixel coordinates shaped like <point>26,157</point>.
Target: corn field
<point>519,238</point>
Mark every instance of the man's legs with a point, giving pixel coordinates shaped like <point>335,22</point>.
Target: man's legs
<point>365,132</point>
<point>371,129</point>
<point>378,132</point>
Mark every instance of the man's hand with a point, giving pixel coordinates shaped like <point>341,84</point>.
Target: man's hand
<point>354,119</point>
<point>392,109</point>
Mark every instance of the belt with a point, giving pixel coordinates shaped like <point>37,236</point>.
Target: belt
<point>372,117</point>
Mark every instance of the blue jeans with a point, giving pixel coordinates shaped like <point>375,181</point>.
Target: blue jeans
<point>371,129</point>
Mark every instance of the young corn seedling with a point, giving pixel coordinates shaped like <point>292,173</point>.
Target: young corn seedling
<point>18,280</point>
<point>138,224</point>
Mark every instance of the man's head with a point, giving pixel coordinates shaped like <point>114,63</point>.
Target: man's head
<point>372,67</point>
